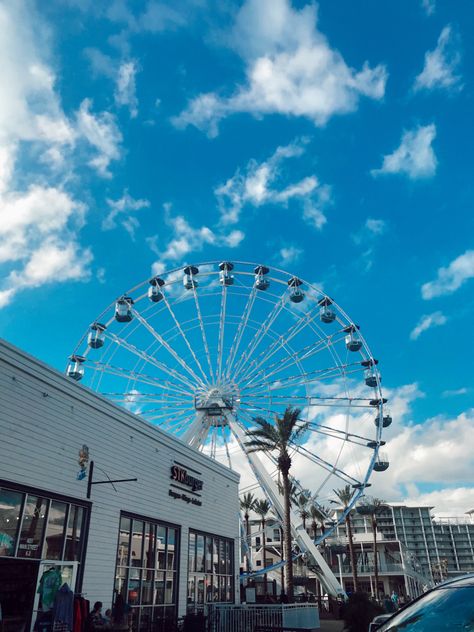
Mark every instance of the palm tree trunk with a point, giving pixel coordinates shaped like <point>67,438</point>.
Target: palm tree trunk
<point>264,544</point>
<point>287,534</point>
<point>282,570</point>
<point>376,565</point>
<point>352,552</point>
<point>249,543</point>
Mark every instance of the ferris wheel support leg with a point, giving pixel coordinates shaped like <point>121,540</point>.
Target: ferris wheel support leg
<point>305,543</point>
<point>196,433</point>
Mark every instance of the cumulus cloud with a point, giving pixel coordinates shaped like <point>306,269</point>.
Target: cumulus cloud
<point>415,157</point>
<point>290,254</point>
<point>436,319</point>
<point>185,239</point>
<point>429,6</point>
<point>123,209</point>
<point>456,392</point>
<point>450,278</point>
<point>441,64</point>
<point>290,69</point>
<point>256,185</point>
<point>101,131</point>
<point>125,91</point>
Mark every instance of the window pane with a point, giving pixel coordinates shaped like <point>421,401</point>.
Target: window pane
<point>208,555</point>
<point>192,553</point>
<point>137,543</point>
<point>169,588</point>
<point>229,589</point>
<point>124,542</point>
<point>32,528</point>
<point>121,581</point>
<point>148,587</point>
<point>222,588</point>
<point>191,589</point>
<point>74,533</point>
<point>200,553</point>
<point>215,556</point>
<point>10,507</point>
<point>53,548</point>
<point>221,557</point>
<point>134,584</point>
<point>171,549</point>
<point>161,545</point>
<point>160,587</point>
<point>200,589</point>
<point>150,545</point>
<point>209,590</point>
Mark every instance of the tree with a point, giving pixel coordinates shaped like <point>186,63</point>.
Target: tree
<point>247,504</point>
<point>262,507</point>
<point>344,497</point>
<point>371,506</point>
<point>303,501</point>
<point>280,437</point>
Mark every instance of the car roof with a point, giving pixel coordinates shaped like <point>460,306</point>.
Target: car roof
<point>458,582</point>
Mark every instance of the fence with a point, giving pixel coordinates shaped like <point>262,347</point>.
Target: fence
<point>248,618</point>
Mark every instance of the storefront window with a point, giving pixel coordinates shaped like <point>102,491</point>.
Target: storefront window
<point>54,541</point>
<point>146,570</point>
<point>74,533</point>
<point>31,535</point>
<point>210,572</point>
<point>10,513</point>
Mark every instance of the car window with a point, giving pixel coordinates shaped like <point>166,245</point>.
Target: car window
<point>443,610</point>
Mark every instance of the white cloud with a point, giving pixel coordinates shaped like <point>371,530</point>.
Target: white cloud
<point>451,278</point>
<point>123,208</point>
<point>436,319</point>
<point>456,392</point>
<point>186,239</point>
<point>290,254</point>
<point>290,70</point>
<point>256,186</point>
<point>414,157</point>
<point>371,229</point>
<point>101,131</point>
<point>125,92</point>
<point>429,6</point>
<point>441,64</point>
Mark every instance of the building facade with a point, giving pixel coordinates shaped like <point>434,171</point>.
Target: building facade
<point>167,542</point>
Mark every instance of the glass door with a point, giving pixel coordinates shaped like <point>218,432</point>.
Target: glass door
<point>52,575</point>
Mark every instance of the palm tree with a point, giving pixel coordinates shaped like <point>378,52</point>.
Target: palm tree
<point>303,501</point>
<point>279,437</point>
<point>371,506</point>
<point>262,507</point>
<point>344,497</point>
<point>247,504</point>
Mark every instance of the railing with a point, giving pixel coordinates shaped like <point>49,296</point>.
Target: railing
<point>369,568</point>
<point>248,618</point>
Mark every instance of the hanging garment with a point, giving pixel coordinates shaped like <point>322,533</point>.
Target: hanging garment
<point>49,585</point>
<point>63,607</point>
<point>78,619</point>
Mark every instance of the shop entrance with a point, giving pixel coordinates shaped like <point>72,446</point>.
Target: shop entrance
<point>17,592</point>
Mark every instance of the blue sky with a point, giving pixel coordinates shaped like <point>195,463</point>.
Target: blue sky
<point>331,139</point>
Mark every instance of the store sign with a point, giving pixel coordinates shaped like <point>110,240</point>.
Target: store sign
<point>181,475</point>
<point>182,479</point>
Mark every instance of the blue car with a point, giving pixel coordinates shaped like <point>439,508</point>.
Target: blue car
<point>449,607</point>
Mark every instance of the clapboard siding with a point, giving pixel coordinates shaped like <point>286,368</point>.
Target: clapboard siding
<point>44,420</point>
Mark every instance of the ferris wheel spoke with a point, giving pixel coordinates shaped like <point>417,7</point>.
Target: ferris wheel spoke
<point>344,403</point>
<point>299,356</point>
<point>147,358</point>
<point>102,367</point>
<point>240,331</point>
<point>220,344</point>
<point>326,465</point>
<point>226,444</point>
<point>288,335</point>
<point>183,336</point>
<point>259,336</point>
<point>167,346</point>
<point>203,332</point>
<point>332,433</point>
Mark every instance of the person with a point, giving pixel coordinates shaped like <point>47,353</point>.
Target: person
<point>395,599</point>
<point>108,616</point>
<point>283,597</point>
<point>95,620</point>
<point>388,604</point>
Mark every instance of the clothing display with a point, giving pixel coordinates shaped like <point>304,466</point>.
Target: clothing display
<point>49,585</point>
<point>64,607</point>
<point>81,612</point>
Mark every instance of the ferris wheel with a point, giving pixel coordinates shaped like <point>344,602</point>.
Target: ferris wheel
<point>204,349</point>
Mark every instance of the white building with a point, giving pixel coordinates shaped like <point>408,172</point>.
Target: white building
<point>167,542</point>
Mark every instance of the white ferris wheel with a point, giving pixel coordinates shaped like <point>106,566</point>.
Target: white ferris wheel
<point>204,349</point>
